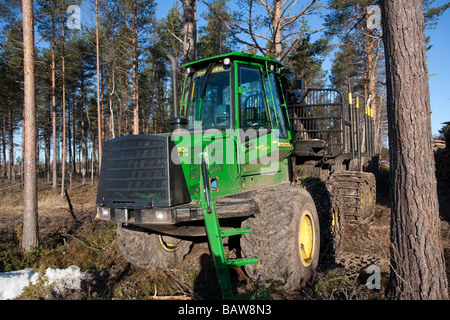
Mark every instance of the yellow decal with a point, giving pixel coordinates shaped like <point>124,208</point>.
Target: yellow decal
<point>216,69</point>
<point>284,144</point>
<point>263,147</point>
<point>183,152</point>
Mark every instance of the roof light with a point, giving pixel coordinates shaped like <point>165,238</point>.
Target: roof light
<point>226,61</point>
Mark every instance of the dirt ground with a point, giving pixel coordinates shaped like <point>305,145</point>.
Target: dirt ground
<point>363,246</point>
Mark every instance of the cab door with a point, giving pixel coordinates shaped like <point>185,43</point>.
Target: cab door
<point>254,127</point>
<point>281,139</point>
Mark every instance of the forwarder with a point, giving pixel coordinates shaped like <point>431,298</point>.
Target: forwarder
<point>252,154</point>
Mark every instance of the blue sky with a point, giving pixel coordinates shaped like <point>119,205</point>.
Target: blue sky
<point>438,61</point>
<point>439,69</point>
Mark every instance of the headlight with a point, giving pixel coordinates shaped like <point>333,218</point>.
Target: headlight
<point>103,213</point>
<point>157,216</point>
<point>161,215</point>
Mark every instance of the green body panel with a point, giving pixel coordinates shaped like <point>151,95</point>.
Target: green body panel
<point>233,166</point>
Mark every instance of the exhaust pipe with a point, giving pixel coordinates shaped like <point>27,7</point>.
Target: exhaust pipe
<point>176,122</point>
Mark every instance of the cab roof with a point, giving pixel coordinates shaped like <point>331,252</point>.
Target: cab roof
<point>199,64</point>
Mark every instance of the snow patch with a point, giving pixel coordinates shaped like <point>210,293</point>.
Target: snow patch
<point>12,283</point>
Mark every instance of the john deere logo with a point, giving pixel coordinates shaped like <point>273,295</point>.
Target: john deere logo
<point>183,152</point>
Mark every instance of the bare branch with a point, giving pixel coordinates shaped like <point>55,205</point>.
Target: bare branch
<point>173,34</point>
<point>250,29</point>
<point>266,5</point>
<point>310,7</point>
<point>232,31</point>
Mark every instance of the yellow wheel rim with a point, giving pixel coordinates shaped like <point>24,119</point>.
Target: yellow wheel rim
<point>362,199</point>
<point>306,238</point>
<point>334,222</point>
<point>168,245</point>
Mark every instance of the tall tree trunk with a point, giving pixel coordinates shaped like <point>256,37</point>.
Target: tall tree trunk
<point>63,111</point>
<point>99,112</point>
<point>417,262</point>
<point>12,175</point>
<point>190,30</point>
<point>30,223</point>
<point>21,164</point>
<point>48,138</point>
<point>72,106</point>
<point>4,145</point>
<point>276,25</point>
<point>83,133</point>
<point>135,72</point>
<point>54,125</point>
<point>371,49</point>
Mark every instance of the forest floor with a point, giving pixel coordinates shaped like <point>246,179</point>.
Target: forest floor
<point>90,244</point>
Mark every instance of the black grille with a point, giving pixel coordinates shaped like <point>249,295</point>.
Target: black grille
<point>137,171</point>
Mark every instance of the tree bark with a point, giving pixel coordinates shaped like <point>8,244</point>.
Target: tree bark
<point>63,106</point>
<point>190,30</point>
<point>135,72</point>
<point>30,223</point>
<point>12,174</point>
<point>4,145</point>
<point>53,67</point>
<point>417,261</point>
<point>276,25</point>
<point>99,111</point>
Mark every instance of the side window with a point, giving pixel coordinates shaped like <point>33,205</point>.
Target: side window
<point>277,114</point>
<point>252,102</point>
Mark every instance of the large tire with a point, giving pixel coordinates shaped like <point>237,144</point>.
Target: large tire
<point>149,250</point>
<point>328,200</point>
<point>358,191</point>
<point>285,236</point>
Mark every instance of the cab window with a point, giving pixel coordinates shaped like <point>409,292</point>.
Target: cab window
<point>209,105</point>
<point>277,116</point>
<point>252,100</point>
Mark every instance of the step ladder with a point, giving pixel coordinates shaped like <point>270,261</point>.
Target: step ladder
<point>216,234</point>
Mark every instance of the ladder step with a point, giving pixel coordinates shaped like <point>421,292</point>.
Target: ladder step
<point>234,232</point>
<point>231,263</point>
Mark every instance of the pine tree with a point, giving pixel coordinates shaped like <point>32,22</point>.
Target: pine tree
<point>30,222</point>
<point>12,57</point>
<point>417,261</point>
<point>267,26</point>
<point>215,38</point>
<point>306,57</point>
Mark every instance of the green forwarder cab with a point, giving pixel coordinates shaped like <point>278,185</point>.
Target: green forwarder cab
<point>232,154</point>
<point>236,113</point>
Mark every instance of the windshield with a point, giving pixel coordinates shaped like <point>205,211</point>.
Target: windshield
<point>210,99</point>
